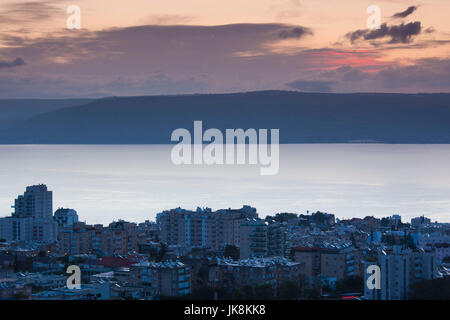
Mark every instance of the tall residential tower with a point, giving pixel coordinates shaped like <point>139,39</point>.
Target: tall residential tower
<point>32,219</point>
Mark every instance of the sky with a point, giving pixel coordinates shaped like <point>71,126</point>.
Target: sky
<point>148,47</point>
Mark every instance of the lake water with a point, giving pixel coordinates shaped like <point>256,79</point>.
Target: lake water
<point>135,182</point>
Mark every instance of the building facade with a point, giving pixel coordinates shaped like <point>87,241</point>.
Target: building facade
<point>32,219</point>
<point>400,268</point>
<point>202,227</point>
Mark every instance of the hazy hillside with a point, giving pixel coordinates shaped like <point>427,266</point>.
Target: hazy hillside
<point>301,118</point>
<point>19,110</point>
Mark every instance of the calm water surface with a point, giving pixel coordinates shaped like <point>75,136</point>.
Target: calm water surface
<point>134,182</point>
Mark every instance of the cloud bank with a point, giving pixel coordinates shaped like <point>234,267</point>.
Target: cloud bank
<point>177,59</point>
<point>11,64</point>
<point>402,33</point>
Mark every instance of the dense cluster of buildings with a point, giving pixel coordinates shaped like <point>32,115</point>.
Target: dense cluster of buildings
<point>227,251</point>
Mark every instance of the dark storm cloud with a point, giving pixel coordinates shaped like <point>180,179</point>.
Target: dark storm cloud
<point>402,33</point>
<point>311,85</point>
<point>11,64</point>
<point>405,13</point>
<point>294,33</point>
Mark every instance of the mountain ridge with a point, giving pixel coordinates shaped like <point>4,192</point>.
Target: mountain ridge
<point>301,118</point>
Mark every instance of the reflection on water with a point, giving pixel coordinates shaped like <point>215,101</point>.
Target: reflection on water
<point>134,182</point>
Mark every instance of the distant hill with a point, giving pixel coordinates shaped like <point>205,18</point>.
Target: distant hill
<point>301,118</point>
<point>13,111</point>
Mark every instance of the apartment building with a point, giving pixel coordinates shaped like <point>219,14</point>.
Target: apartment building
<point>32,219</point>
<point>202,227</point>
<point>120,237</point>
<point>148,232</point>
<point>253,240</point>
<point>231,274</point>
<point>310,260</point>
<point>340,263</point>
<point>436,241</point>
<point>65,217</point>
<point>77,239</point>
<point>332,261</point>
<point>277,244</point>
<point>168,278</point>
<point>400,268</point>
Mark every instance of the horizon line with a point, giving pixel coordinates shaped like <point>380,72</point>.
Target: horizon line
<point>229,93</point>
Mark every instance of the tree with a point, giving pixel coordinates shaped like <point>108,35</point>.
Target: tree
<point>224,294</point>
<point>285,216</point>
<point>203,293</point>
<point>248,293</point>
<point>436,289</point>
<point>350,284</point>
<point>409,241</point>
<point>231,252</point>
<point>20,296</point>
<point>314,291</point>
<point>289,290</point>
<point>64,259</point>
<point>385,222</point>
<point>203,274</point>
<point>238,294</point>
<point>162,252</point>
<point>16,264</point>
<point>264,292</point>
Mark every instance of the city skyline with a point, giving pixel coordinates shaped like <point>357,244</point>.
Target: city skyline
<point>217,255</point>
<point>174,208</point>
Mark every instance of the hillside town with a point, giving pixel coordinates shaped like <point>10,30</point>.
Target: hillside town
<point>223,254</point>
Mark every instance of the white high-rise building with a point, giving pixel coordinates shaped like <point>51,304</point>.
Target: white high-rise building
<point>32,219</point>
<point>400,268</point>
<point>36,202</point>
